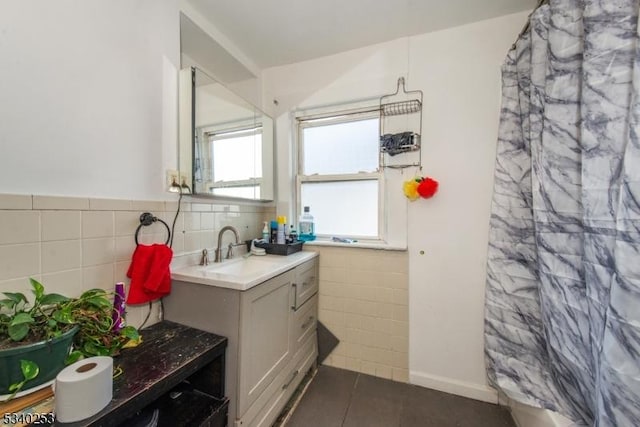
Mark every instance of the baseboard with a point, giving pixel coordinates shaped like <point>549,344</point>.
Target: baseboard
<point>452,386</point>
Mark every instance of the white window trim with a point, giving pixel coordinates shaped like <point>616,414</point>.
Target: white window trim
<point>221,132</point>
<point>339,115</point>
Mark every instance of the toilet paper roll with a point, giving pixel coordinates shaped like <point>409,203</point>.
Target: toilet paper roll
<point>83,389</point>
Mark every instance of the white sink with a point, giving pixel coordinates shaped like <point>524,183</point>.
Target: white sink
<point>241,273</point>
<point>243,266</point>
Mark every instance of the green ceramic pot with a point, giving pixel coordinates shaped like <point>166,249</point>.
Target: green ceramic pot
<point>48,355</point>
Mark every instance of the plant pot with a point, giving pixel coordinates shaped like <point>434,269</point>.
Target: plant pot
<point>48,355</point>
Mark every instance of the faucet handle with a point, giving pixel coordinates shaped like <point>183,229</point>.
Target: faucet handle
<point>205,257</point>
<point>230,251</point>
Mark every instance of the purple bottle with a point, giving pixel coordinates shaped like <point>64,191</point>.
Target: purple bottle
<point>118,307</point>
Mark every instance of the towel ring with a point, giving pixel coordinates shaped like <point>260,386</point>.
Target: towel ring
<point>148,219</point>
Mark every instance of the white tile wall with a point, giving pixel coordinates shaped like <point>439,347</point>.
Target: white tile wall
<point>19,260</point>
<point>60,203</point>
<point>98,251</point>
<point>97,224</point>
<point>110,205</point>
<point>73,244</point>
<point>61,255</point>
<point>60,225</point>
<point>19,227</point>
<point>63,282</point>
<point>16,201</point>
<point>364,302</point>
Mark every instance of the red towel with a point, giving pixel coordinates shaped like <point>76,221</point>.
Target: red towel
<point>149,273</point>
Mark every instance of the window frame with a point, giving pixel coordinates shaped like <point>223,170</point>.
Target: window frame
<point>212,134</point>
<point>335,117</point>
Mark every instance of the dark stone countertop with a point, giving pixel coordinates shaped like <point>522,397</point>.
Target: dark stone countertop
<point>169,354</point>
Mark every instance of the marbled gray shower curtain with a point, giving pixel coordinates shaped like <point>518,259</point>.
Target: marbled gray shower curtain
<point>562,322</point>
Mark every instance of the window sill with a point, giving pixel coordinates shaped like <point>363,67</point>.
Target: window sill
<point>383,246</point>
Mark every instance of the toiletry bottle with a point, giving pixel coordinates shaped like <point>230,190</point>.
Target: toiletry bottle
<point>307,226</point>
<point>286,230</point>
<point>273,237</point>
<point>280,235</point>
<point>265,232</point>
<point>119,305</point>
<point>293,235</point>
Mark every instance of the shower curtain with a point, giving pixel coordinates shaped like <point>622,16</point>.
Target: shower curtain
<point>562,319</point>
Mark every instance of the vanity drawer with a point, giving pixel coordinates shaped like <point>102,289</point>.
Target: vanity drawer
<point>305,283</point>
<point>305,321</point>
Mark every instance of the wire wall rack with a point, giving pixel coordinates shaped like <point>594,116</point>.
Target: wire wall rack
<point>401,127</point>
<point>401,107</point>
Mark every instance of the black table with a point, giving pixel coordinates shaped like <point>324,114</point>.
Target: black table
<point>169,354</point>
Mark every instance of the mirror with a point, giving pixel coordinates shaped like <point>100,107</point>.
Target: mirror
<point>226,143</point>
<point>232,154</point>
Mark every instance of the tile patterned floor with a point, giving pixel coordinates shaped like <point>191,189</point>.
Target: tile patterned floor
<point>340,398</point>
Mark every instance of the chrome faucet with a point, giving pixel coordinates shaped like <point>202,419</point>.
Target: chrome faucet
<point>218,257</point>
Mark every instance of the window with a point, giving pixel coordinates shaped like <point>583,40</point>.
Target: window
<point>233,178</point>
<point>338,175</point>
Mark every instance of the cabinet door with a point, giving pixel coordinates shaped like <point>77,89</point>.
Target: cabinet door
<point>265,347</point>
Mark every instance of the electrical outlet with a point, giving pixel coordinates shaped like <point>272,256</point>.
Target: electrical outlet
<point>185,183</point>
<point>172,179</point>
<point>184,179</point>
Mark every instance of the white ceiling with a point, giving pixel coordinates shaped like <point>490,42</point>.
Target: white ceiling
<point>278,32</point>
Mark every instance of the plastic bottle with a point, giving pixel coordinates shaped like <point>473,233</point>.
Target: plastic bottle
<point>286,230</point>
<point>293,235</point>
<point>280,235</point>
<point>306,226</point>
<point>119,305</point>
<point>274,232</point>
<point>265,232</point>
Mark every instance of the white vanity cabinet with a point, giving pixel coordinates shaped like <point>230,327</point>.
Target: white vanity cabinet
<point>271,329</point>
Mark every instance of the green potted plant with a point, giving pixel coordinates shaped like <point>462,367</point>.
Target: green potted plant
<point>36,337</point>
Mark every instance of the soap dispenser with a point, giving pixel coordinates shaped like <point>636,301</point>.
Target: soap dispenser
<point>265,232</point>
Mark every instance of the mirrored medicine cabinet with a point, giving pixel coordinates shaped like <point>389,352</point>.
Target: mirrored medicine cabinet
<point>226,144</point>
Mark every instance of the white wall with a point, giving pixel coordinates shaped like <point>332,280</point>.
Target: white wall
<point>227,60</point>
<point>360,75</point>
<point>459,72</point>
<point>88,97</point>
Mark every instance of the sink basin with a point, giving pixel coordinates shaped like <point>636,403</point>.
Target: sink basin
<point>242,267</point>
<point>240,273</point>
